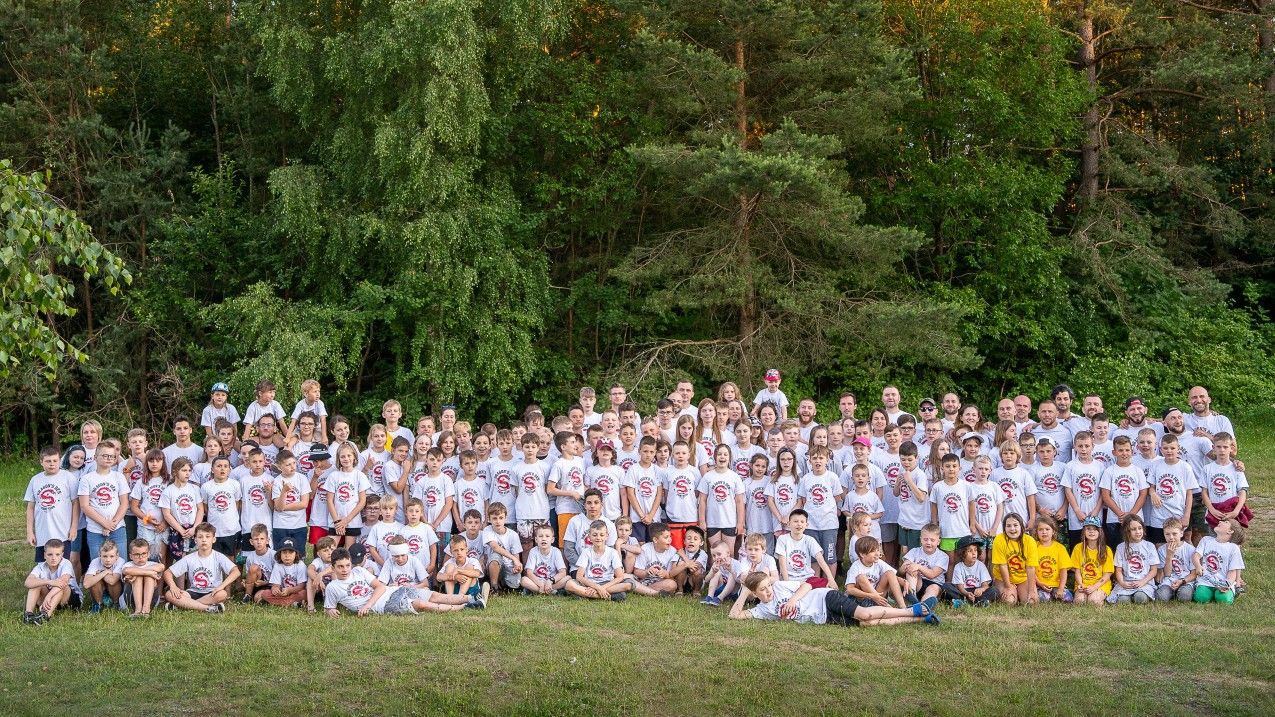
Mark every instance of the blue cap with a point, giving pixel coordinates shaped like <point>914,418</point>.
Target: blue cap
<point>1092,522</point>
<point>220,386</point>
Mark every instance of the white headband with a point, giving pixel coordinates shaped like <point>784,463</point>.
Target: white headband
<point>399,549</point>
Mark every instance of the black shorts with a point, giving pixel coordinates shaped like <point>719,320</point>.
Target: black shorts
<point>245,542</point>
<point>1199,522</point>
<point>196,595</point>
<point>728,532</point>
<point>1155,535</point>
<point>355,533</point>
<point>228,545</point>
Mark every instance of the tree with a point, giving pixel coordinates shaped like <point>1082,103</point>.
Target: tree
<point>42,237</point>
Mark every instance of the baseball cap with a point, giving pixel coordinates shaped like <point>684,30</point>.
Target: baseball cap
<point>930,401</point>
<point>319,452</point>
<point>861,440</point>
<point>1091,522</point>
<point>287,544</point>
<point>1169,410</point>
<point>772,374</point>
<point>220,386</point>
<point>966,541</point>
<point>358,551</point>
<point>1132,400</point>
<point>1047,440</point>
<point>972,436</point>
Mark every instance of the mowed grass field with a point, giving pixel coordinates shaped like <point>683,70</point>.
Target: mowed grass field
<point>556,656</point>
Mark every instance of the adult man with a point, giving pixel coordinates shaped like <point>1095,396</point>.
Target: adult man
<point>848,404</point>
<point>1135,412</point>
<point>890,400</point>
<point>1202,421</point>
<point>1063,397</point>
<point>1092,405</point>
<point>1023,413</point>
<point>927,409</point>
<point>618,396</point>
<point>1005,409</point>
<point>951,407</point>
<point>686,390</point>
<point>1050,427</point>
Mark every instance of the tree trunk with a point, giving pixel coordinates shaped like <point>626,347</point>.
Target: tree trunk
<point>1266,37</point>
<point>1092,140</point>
<point>743,229</point>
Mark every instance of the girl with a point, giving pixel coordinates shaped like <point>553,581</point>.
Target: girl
<point>685,431</point>
<point>781,494</point>
<point>819,437</point>
<point>1017,485</point>
<point>735,413</point>
<point>290,499</point>
<point>201,471</point>
<point>860,527</point>
<point>707,435</point>
<point>1092,560</point>
<point>482,450</point>
<point>1014,562</point>
<point>1052,562</point>
<point>606,477</point>
<point>727,392</point>
<point>1005,431</point>
<point>757,507</point>
<point>1177,565</point>
<point>346,493</point>
<point>413,467</point>
<point>451,458</point>
<point>341,434</point>
<point>144,501</point>
<point>768,416</point>
<point>182,509</point>
<point>878,420</point>
<point>1136,563</point>
<point>938,449</point>
<point>305,435</point>
<point>373,458</point>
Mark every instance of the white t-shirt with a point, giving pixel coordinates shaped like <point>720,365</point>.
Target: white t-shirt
<point>541,566</point>
<point>867,502</point>
<point>317,408</point>
<point>1172,483</point>
<point>345,489</point>
<point>874,571</point>
<point>811,609</point>
<point>645,483</point>
<point>914,510</point>
<point>1084,480</point>
<point>354,592</point>
<point>508,540</point>
<point>182,502</point>
<point>288,576</point>
<point>742,566</point>
<point>784,491</point>
<point>293,489</point>
<point>380,535</point>
<point>1211,423</point>
<point>106,494</point>
<point>776,397</point>
<point>820,493</point>
<point>937,559</point>
<point>255,411</point>
<point>649,558</point>
<point>147,493</point>
<point>953,504</point>
<point>680,501</point>
<point>1049,482</point>
<point>891,467</point>
<point>375,471</point>
<point>194,452</point>
<point>96,566</point>
<point>433,492</point>
<point>221,505</point>
<point>568,474</point>
<point>203,573</point>
<point>256,502</point>
<point>419,538</point>
<point>503,488</point>
<point>413,572</point>
<point>600,568</point>
<point>741,459</point>
<point>1124,484</point>
<point>470,495</point>
<point>757,515</point>
<point>1180,565</point>
<point>1222,482</point>
<point>608,481</point>
<point>970,577</point>
<point>721,510</point>
<point>211,413</point>
<point>986,497</point>
<point>1015,485</point>
<point>1137,560</point>
<point>53,497</point>
<point>798,555</point>
<point>533,500</point>
<point>42,572</point>
<point>1217,560</point>
<point>578,531</point>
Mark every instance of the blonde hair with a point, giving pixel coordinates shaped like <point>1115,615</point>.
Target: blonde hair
<point>309,383</point>
<point>755,539</point>
<point>1012,447</point>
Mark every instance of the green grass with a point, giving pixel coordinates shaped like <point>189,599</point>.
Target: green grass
<point>554,656</point>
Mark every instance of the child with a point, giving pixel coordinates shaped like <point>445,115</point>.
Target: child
<point>401,567</point>
<point>1050,480</point>
<point>1014,562</point>
<point>310,403</point>
<point>860,527</point>
<point>797,554</point>
<point>871,580</point>
<point>356,590</point>
<point>1053,562</point>
<point>52,508</point>
<point>347,489</point>
<point>50,585</point>
<point>644,491</point>
<point>692,564</point>
<point>654,565</point>
<point>802,603</point>
<point>1092,560</point>
<point>576,539</point>
<point>182,509</point>
<point>781,493</point>
<point>681,504</point>
<point>422,541</point>
<point>888,461</point>
<point>182,445</point>
<point>1081,485</point>
<point>218,407</point>
<point>912,491</point>
<point>1171,491</point>
<point>950,506</point>
<point>754,558</point>
<point>606,477</point>
<point>566,480</point>
<point>924,568</point>
<point>625,544</point>
<point>319,572</point>
<point>104,578</point>
<point>373,458</point>
<point>287,577</point>
<point>504,546</point>
<point>206,576</point>
<point>1225,487</point>
<point>1017,486</point>
<point>971,584</point>
<point>144,577</point>
<point>1136,562</point>
<point>758,517</point>
<point>103,495</point>
<point>460,574</point>
<point>265,405</point>
<point>1123,488</point>
<point>1177,564</point>
<point>721,576</point>
<point>988,503</point>
<point>256,485</point>
<point>379,536</point>
<point>771,394</point>
<point>819,494</point>
<point>221,498</point>
<point>546,572</point>
<point>290,498</point>
<point>532,504</point>
<point>475,547</point>
<point>258,562</point>
<point>144,500</point>
<point>863,500</point>
<point>599,572</point>
<point>721,501</point>
<point>1218,561</point>
<point>470,491</point>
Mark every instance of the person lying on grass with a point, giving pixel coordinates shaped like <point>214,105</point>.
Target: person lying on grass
<point>790,600</point>
<point>360,593</point>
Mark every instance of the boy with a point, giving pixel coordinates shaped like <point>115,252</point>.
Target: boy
<point>1050,480</point>
<point>950,506</point>
<point>546,572</point>
<point>802,603</point>
<point>721,577</point>
<point>143,576</point>
<point>287,577</point>
<point>988,505</point>
<point>681,504</point>
<point>206,576</point>
<point>265,405</point>
<point>797,554</point>
<point>460,574</point>
<point>863,500</point>
<point>819,493</point>
<point>644,491</point>
<point>588,399</point>
<point>379,536</point>
<point>182,445</point>
<point>319,572</point>
<point>576,538</point>
<point>470,493</point>
<point>392,412</point>
<point>912,491</point>
<point>422,541</point>
<point>871,580</point>
<point>504,546</point>
<point>532,504</point>
<point>1172,489</point>
<point>257,563</point>
<point>53,510</point>
<point>1081,486</point>
<point>599,572</point>
<point>222,498</point>
<point>475,547</point>
<point>1103,448</point>
<point>312,404</point>
<point>891,465</point>
<point>400,567</point>
<point>566,482</point>
<point>256,485</point>
<point>1123,488</point>
<point>103,496</point>
<point>772,394</point>
<point>50,585</point>
<point>1224,486</point>
<point>692,562</point>
<point>356,590</point>
<point>924,569</point>
<point>218,408</point>
<point>104,578</point>
<point>1217,561</point>
<point>755,559</point>
<point>654,565</point>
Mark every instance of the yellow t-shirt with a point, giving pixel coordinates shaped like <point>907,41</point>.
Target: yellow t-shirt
<point>1006,553</point>
<point>1052,561</point>
<point>1090,568</point>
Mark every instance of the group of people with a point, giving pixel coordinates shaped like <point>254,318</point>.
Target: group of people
<point>780,515</point>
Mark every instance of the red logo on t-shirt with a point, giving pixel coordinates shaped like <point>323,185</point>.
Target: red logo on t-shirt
<point>378,470</point>
<point>344,493</point>
<point>1124,486</point>
<point>290,495</point>
<point>1090,571</point>
<point>818,494</point>
<point>1085,485</point>
<point>502,482</point>
<point>221,502</point>
<point>529,482</point>
<point>360,589</point>
<point>1213,562</point>
<point>1220,484</point>
<point>48,496</point>
<point>185,504</point>
<point>784,493</point>
<point>983,504</point>
<point>1168,485</point>
<point>1008,489</point>
<point>469,496</point>
<point>1049,483</point>
<point>414,544</point>
<point>798,560</point>
<point>154,493</point>
<point>682,486</point>
<point>256,495</point>
<point>952,502</point>
<point>604,485</point>
<point>431,497</point>
<point>759,497</point>
<point>304,464</point>
<point>201,579</point>
<point>721,492</point>
<point>105,494</point>
<point>596,571</point>
<point>626,464</point>
<point>1135,563</point>
<point>289,581</point>
<point>542,571</point>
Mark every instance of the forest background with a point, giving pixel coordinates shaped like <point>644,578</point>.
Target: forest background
<point>494,202</point>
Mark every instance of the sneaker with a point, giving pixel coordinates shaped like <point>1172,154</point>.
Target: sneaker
<point>169,607</point>
<point>714,601</point>
<point>135,616</point>
<point>43,617</point>
<point>620,597</point>
<point>484,595</point>
<point>982,603</point>
<point>708,600</point>
<point>218,608</point>
<point>919,610</point>
<point>107,602</point>
<point>958,603</point>
<point>28,618</point>
<point>246,599</point>
<point>97,608</point>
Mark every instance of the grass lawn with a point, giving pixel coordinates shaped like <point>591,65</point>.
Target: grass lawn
<point>554,656</point>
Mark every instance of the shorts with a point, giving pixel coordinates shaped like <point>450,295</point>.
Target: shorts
<point>727,532</point>
<point>507,577</point>
<point>355,533</point>
<point>1155,535</point>
<point>817,582</point>
<point>827,540</point>
<point>840,608</point>
<point>1198,520</point>
<point>947,545</point>
<point>889,532</point>
<point>908,537</point>
<point>677,534</point>
<point>196,595</point>
<point>527,529</point>
<point>400,601</point>
<point>127,596</point>
<point>227,545</point>
<point>640,531</point>
<point>178,546</point>
<point>315,533</point>
<point>152,536</point>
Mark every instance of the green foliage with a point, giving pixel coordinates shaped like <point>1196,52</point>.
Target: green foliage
<point>41,237</point>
